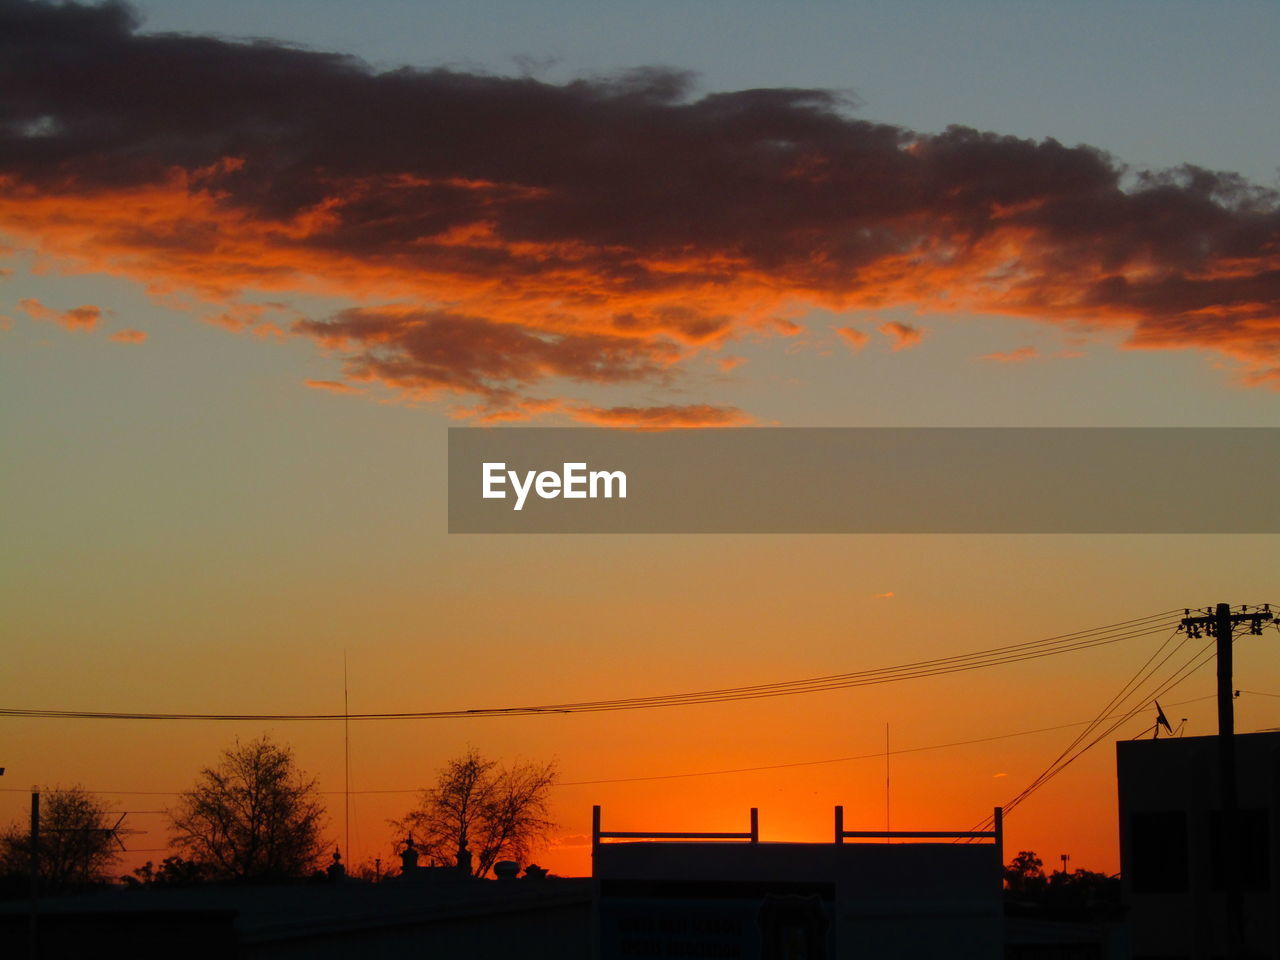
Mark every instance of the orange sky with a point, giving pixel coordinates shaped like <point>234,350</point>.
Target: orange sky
<point>523,237</point>
<point>613,616</point>
<point>237,317</point>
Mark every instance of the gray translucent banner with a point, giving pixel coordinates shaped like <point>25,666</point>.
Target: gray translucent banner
<point>865,480</point>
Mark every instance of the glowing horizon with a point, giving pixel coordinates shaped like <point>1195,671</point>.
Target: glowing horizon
<point>248,285</point>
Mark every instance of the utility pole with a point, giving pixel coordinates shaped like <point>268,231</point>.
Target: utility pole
<point>1220,623</point>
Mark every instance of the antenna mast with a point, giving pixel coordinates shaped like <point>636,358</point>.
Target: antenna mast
<point>346,758</point>
<point>887,839</point>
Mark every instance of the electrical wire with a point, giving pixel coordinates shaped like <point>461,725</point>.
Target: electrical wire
<point>1125,691</point>
<point>981,659</point>
<point>1113,712</point>
<point>1190,668</point>
<point>1053,771</point>
<point>878,755</point>
<point>863,756</point>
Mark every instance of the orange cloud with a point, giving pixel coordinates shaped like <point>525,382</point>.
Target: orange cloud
<point>129,336</point>
<point>78,318</point>
<point>694,415</point>
<point>572,840</point>
<point>251,318</point>
<point>1020,355</point>
<point>506,410</point>
<point>903,336</point>
<point>856,339</point>
<point>603,231</point>
<point>424,352</point>
<point>331,386</point>
<point>37,310</point>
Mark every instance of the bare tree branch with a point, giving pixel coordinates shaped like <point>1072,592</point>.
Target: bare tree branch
<point>253,816</point>
<point>489,812</point>
<point>77,846</point>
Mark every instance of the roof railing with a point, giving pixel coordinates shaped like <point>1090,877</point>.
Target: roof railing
<point>752,835</point>
<point>996,833</point>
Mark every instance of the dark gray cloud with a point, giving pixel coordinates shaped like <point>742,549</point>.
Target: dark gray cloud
<point>596,230</point>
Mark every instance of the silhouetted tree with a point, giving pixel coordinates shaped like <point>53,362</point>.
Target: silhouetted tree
<point>478,813</point>
<point>372,870</point>
<point>1081,892</point>
<point>254,816</point>
<point>77,846</point>
<point>1067,896</point>
<point>1024,876</point>
<point>172,872</point>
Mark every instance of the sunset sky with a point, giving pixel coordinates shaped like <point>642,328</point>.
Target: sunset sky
<point>256,258</point>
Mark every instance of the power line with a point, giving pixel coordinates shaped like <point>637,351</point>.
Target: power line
<point>1014,653</point>
<point>863,756</point>
<point>1190,667</point>
<point>1063,760</point>
<point>679,776</point>
<point>1124,693</point>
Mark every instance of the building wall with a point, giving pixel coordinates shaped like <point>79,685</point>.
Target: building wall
<point>533,920</point>
<point>544,933</point>
<point>1169,851</point>
<point>142,935</point>
<point>739,900</point>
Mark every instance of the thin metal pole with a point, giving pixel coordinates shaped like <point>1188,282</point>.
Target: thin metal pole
<point>887,838</point>
<point>346,755</point>
<point>839,824</point>
<point>33,927</point>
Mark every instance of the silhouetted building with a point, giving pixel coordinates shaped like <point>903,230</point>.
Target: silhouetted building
<point>546,919</point>
<point>1035,939</point>
<point>414,872</point>
<point>408,856</point>
<point>1171,850</point>
<point>336,872</point>
<point>798,901</point>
